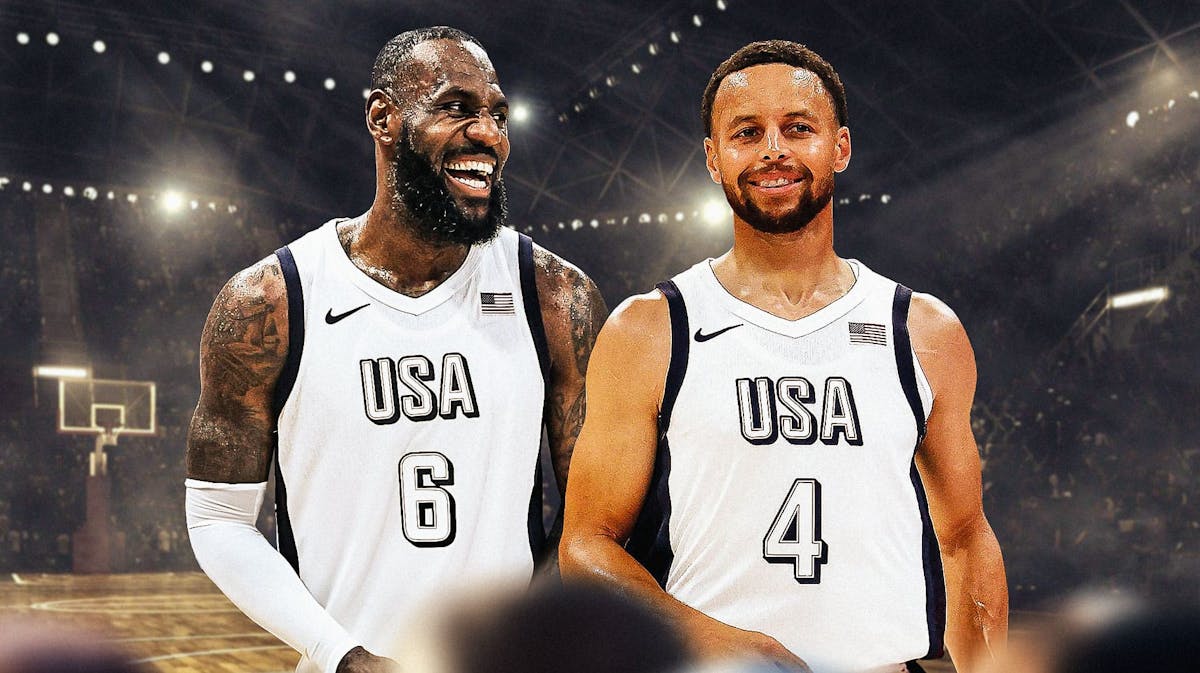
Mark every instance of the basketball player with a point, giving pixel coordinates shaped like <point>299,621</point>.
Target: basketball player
<point>399,367</point>
<point>777,434</point>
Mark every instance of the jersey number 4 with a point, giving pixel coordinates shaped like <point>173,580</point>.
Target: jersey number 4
<point>426,508</point>
<point>795,535</point>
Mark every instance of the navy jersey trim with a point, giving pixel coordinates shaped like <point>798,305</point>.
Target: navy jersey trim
<point>537,329</point>
<point>931,555</point>
<point>650,542</point>
<point>286,540</point>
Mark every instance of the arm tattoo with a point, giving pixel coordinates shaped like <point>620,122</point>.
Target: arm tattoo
<point>573,311</point>
<point>242,352</point>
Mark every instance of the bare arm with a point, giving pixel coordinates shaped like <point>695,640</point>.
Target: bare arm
<point>572,312</point>
<point>612,469</point>
<point>242,352</point>
<point>948,461</point>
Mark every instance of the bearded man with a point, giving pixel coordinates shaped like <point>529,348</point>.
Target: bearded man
<point>398,368</point>
<point>791,479</point>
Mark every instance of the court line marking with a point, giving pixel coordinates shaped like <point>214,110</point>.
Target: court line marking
<point>17,579</point>
<point>207,636</point>
<point>204,653</point>
<point>136,604</point>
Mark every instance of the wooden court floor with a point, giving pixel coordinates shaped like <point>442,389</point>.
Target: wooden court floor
<point>171,622</point>
<point>177,622</point>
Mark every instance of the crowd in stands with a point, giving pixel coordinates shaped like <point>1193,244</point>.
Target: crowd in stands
<point>1091,452</point>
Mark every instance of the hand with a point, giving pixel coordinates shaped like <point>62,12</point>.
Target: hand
<point>359,660</point>
<point>717,640</point>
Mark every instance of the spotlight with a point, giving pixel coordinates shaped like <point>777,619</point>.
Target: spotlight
<point>172,202</point>
<point>714,211</point>
<point>662,218</point>
<point>636,68</point>
<point>653,49</point>
<point>576,224</point>
<point>519,113</point>
<point>885,198</point>
<point>206,66</point>
<point>578,107</point>
<point>1132,118</point>
<point>4,182</point>
<point>1149,295</point>
<point>47,189</point>
<point>1171,104</point>
<point>27,186</point>
<point>289,77</point>
<point>22,38</point>
<point>248,75</point>
<point>90,193</point>
<point>69,191</point>
<point>60,372</point>
<point>610,81</point>
<point>563,117</point>
<point>110,195</point>
<point>679,217</point>
<point>366,94</point>
<point>595,224</point>
<point>560,225</point>
<point>52,39</point>
<point>329,84</point>
<point>593,93</point>
<point>232,208</point>
<point>1194,95</point>
<point>132,198</point>
<point>212,206</point>
<point>99,47</point>
<point>675,36</point>
<point>721,5</point>
<point>697,20</point>
<point>644,218</point>
<point>194,204</point>
<point>164,58</point>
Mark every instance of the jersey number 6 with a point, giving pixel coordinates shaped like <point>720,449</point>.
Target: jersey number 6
<point>427,509</point>
<point>795,535</point>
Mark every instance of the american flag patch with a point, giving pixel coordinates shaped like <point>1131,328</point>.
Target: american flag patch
<point>496,303</point>
<point>868,333</point>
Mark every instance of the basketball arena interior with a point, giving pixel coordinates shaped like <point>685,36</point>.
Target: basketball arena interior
<point>1034,163</point>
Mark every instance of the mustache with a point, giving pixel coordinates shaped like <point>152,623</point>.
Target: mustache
<point>754,171</point>
<point>475,150</point>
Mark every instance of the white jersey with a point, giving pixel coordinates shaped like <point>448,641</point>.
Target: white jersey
<point>409,438</point>
<point>785,498</point>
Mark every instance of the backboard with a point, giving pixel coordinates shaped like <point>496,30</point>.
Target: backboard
<point>106,406</point>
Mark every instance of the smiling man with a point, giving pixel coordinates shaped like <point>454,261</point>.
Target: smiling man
<point>399,368</point>
<point>778,448</point>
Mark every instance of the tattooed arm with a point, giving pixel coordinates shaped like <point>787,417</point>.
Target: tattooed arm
<point>572,311</point>
<point>242,352</point>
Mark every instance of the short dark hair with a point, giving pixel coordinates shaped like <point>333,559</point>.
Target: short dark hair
<point>399,48</point>
<point>776,51</point>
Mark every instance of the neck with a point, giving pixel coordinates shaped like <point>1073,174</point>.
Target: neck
<point>790,275</point>
<point>385,246</point>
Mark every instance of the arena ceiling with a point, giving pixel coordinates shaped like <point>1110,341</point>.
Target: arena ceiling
<point>930,83</point>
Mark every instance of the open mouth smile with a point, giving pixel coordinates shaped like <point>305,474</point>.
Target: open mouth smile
<point>473,176</point>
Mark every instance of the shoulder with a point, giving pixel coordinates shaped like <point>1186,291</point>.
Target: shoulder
<point>641,316</point>
<point>941,343</point>
<point>559,281</point>
<point>258,290</point>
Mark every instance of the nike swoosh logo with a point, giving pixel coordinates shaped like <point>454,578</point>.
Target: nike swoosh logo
<point>330,318</point>
<point>705,337</point>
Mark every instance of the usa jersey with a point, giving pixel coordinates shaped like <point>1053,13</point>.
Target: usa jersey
<point>409,431</point>
<point>785,498</point>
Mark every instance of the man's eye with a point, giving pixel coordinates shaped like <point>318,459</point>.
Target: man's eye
<point>746,133</point>
<point>802,128</point>
<point>501,118</point>
<point>455,107</point>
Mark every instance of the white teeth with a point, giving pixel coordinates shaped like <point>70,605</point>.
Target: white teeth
<point>474,184</point>
<point>478,166</point>
<point>778,182</point>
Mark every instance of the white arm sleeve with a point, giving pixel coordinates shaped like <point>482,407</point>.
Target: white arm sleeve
<point>259,581</point>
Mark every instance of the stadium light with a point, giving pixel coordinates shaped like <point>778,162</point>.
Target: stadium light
<point>60,372</point>
<point>636,68</point>
<point>47,189</point>
<point>90,193</point>
<point>675,36</point>
<point>69,191</point>
<point>519,113</point>
<point>164,58</point>
<point>22,38</point>
<point>206,66</point>
<point>329,84</point>
<point>653,49</point>
<point>289,77</point>
<point>52,39</point>
<point>99,47</point>
<point>172,201</point>
<point>1147,295</point>
<point>721,5</point>
<point>1132,118</point>
<point>248,75</point>
<point>714,211</point>
<point>27,186</point>
<point>366,94</point>
<point>697,20</point>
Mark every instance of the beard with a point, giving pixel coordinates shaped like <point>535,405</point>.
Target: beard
<point>812,201</point>
<point>435,217</point>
